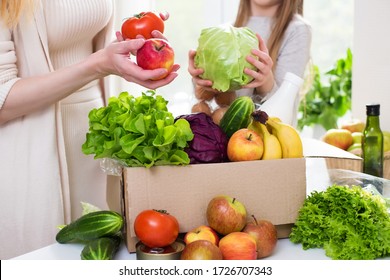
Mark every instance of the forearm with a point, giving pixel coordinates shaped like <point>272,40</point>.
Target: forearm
<point>35,93</point>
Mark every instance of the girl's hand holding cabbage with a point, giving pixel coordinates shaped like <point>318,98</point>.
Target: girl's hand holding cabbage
<point>263,78</point>
<point>229,58</point>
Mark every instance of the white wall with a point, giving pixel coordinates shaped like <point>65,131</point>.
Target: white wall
<point>371,61</point>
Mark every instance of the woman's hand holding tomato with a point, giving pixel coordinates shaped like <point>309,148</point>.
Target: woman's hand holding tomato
<point>156,228</point>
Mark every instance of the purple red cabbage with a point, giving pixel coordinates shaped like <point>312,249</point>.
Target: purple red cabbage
<point>209,144</point>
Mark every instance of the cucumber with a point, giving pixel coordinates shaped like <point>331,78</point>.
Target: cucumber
<point>103,248</point>
<point>238,115</point>
<point>91,226</point>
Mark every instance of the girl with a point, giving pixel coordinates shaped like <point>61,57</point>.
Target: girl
<point>284,45</point>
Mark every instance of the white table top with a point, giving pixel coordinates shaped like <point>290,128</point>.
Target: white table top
<point>285,250</point>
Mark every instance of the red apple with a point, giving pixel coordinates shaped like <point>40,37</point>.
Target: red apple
<point>338,137</point>
<point>201,233</point>
<point>265,234</point>
<point>226,214</point>
<point>354,125</point>
<point>201,250</point>
<point>245,144</point>
<point>238,246</point>
<point>154,54</point>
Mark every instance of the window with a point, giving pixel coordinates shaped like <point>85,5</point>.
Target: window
<point>332,27</point>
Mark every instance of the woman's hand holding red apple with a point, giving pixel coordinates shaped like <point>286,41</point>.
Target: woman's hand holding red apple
<point>152,77</point>
<point>114,60</point>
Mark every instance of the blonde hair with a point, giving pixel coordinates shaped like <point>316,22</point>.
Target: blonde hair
<point>286,10</point>
<point>11,10</point>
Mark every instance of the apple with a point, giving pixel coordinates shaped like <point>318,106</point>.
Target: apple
<point>245,144</point>
<point>338,137</point>
<point>386,141</point>
<point>226,214</point>
<point>265,234</point>
<point>357,137</point>
<point>156,53</point>
<point>354,125</point>
<point>202,232</point>
<point>356,149</point>
<point>201,250</point>
<point>238,246</point>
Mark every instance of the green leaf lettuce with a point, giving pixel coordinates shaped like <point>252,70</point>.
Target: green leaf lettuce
<point>137,132</point>
<point>349,223</point>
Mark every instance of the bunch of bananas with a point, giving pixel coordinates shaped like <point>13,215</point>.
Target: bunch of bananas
<point>280,140</point>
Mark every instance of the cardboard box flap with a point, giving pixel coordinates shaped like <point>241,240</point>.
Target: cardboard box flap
<point>184,191</point>
<point>317,148</point>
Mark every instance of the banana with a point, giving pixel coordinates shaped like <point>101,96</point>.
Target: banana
<point>272,147</point>
<point>275,119</point>
<point>288,136</point>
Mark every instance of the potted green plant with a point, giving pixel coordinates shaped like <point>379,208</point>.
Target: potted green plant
<point>328,98</point>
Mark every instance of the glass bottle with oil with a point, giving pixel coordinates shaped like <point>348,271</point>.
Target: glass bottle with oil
<point>372,142</point>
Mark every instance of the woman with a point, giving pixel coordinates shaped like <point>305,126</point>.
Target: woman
<point>284,45</point>
<point>54,57</point>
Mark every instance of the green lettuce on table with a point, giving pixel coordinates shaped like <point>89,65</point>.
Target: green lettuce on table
<point>137,131</point>
<point>349,223</point>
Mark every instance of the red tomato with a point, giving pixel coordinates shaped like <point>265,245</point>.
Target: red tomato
<point>156,228</point>
<point>142,24</point>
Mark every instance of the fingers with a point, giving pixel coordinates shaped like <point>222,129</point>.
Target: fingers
<point>262,45</point>
<point>145,78</point>
<point>164,15</point>
<point>158,34</point>
<point>263,62</point>
<point>196,72</point>
<point>129,46</point>
<point>119,36</point>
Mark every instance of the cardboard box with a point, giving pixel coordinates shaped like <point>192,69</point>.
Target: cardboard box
<point>272,189</point>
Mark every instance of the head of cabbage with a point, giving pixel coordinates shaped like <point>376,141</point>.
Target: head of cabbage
<point>222,52</point>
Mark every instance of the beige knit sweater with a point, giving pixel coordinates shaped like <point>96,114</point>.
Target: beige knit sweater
<point>43,174</point>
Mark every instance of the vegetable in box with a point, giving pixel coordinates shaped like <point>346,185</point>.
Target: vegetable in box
<point>138,131</point>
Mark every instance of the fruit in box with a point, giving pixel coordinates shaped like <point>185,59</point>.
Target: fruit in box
<point>289,138</point>
<point>245,144</point>
<point>272,148</point>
